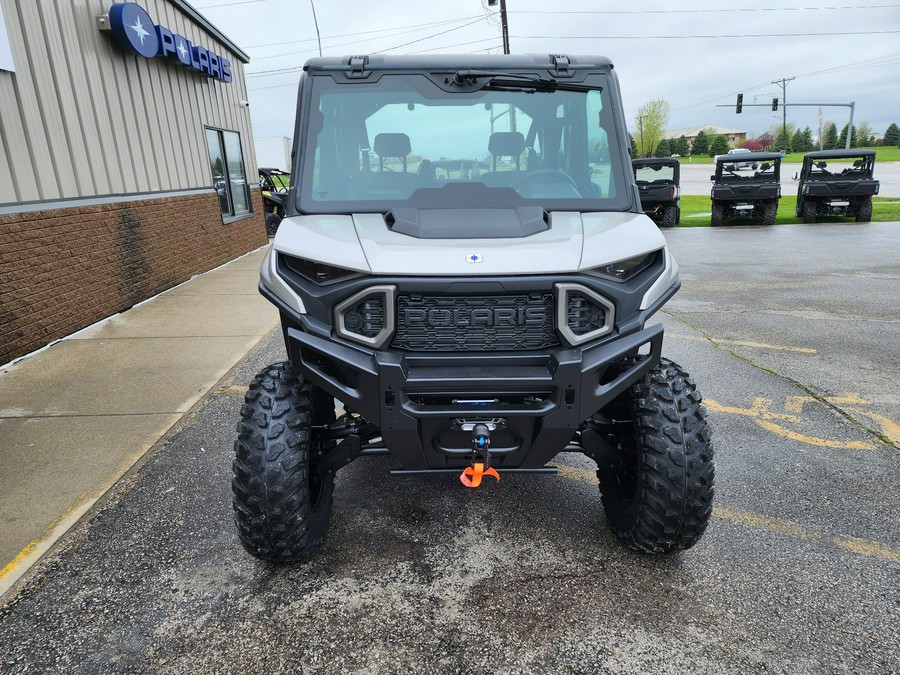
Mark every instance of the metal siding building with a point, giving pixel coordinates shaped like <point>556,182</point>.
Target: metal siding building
<point>87,128</point>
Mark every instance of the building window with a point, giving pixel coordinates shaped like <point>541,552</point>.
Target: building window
<point>229,177</point>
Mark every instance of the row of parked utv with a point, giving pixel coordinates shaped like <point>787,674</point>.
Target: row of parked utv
<point>831,183</point>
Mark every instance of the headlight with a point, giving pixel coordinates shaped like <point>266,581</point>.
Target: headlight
<point>316,272</point>
<point>623,270</point>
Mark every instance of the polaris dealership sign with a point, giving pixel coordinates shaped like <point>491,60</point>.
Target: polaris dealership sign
<point>135,31</point>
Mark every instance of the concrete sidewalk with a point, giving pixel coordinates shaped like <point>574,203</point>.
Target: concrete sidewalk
<point>76,416</point>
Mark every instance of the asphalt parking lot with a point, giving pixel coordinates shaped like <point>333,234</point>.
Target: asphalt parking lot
<point>791,333</point>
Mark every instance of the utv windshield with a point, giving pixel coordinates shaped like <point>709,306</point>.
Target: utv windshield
<point>403,141</point>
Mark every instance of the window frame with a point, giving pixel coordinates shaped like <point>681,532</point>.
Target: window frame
<point>232,215</point>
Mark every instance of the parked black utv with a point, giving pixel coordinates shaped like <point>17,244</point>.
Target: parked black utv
<point>274,184</point>
<point>836,183</point>
<point>753,195</point>
<point>657,179</point>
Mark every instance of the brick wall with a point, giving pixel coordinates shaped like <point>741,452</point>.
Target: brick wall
<point>64,269</point>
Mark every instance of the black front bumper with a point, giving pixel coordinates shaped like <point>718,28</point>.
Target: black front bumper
<point>418,402</point>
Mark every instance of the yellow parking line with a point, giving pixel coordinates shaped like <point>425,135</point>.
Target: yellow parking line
<point>865,547</point>
<point>744,343</point>
<point>814,440</point>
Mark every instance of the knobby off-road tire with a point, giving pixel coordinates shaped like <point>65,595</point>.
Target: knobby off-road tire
<point>864,210</point>
<point>769,211</point>
<point>669,216</point>
<point>282,507</point>
<point>718,215</point>
<point>808,212</point>
<point>273,220</point>
<point>658,497</point>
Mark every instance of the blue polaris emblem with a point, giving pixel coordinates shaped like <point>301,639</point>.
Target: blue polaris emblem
<point>135,31</point>
<point>474,258</point>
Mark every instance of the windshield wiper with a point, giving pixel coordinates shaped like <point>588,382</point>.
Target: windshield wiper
<point>500,80</point>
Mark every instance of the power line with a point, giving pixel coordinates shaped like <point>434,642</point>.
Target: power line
<point>702,11</point>
<point>700,37</point>
<point>428,37</point>
<point>231,4</point>
<point>356,42</point>
<point>368,32</point>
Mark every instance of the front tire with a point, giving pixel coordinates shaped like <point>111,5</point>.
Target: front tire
<point>273,220</point>
<point>282,505</point>
<point>658,495</point>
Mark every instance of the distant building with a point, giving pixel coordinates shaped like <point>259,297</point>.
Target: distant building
<point>735,137</point>
<point>273,151</point>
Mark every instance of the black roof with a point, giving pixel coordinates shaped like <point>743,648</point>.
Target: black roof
<point>826,154</point>
<point>650,161</point>
<point>748,157</point>
<point>417,62</point>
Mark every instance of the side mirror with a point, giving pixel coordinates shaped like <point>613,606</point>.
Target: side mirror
<point>753,166</point>
<point>712,176</point>
<point>765,166</point>
<point>796,175</point>
<point>821,165</point>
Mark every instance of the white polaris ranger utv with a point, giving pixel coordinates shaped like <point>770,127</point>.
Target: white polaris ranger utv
<point>464,265</point>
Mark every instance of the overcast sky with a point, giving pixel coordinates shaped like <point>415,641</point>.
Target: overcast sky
<point>695,54</point>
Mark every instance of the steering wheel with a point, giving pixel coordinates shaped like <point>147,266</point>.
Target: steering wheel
<point>540,176</point>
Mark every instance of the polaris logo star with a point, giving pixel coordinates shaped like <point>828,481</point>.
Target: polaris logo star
<point>474,258</point>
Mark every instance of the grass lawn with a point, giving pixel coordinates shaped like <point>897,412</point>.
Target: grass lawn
<point>889,154</point>
<point>695,211</point>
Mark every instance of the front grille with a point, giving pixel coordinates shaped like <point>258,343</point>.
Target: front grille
<point>475,323</point>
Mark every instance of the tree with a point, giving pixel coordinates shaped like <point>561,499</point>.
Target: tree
<point>651,122</point>
<point>753,146</point>
<point>718,146</point>
<point>783,141</point>
<point>802,141</point>
<point>634,152</point>
<point>700,146</point>
<point>663,149</point>
<point>842,141</point>
<point>892,135</point>
<point>680,147</point>
<point>864,136</point>
<point>766,140</point>
<point>831,137</point>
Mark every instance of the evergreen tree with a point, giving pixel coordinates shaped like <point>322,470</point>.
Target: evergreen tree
<point>783,141</point>
<point>682,147</point>
<point>807,140</point>
<point>842,140</point>
<point>831,137</point>
<point>634,151</point>
<point>700,146</point>
<point>663,149</point>
<point>718,146</point>
<point>892,135</point>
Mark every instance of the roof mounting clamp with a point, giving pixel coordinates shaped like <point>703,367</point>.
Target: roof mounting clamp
<point>561,65</point>
<point>357,66</point>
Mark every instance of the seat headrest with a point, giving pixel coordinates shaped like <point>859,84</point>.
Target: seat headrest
<point>392,145</point>
<point>506,144</point>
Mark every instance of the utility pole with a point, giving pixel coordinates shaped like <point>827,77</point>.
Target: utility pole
<point>316,22</point>
<point>783,83</point>
<point>641,127</point>
<point>503,24</point>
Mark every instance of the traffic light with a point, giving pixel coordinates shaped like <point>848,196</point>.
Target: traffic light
<point>739,104</point>
<point>774,104</point>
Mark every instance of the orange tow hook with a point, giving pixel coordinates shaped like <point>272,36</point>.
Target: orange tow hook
<point>472,475</point>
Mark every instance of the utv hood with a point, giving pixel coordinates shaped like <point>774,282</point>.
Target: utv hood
<point>571,242</point>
